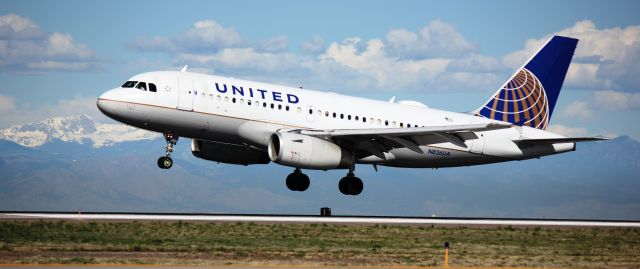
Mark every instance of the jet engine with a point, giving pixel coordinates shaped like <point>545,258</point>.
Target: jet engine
<point>303,151</point>
<point>228,153</point>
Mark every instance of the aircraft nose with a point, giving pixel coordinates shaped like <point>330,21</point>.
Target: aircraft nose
<point>106,104</point>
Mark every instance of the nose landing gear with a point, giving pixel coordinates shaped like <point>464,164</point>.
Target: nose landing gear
<point>165,162</point>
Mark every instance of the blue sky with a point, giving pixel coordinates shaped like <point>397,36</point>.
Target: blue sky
<point>56,57</point>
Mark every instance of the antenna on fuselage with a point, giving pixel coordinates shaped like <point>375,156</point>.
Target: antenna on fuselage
<point>184,69</point>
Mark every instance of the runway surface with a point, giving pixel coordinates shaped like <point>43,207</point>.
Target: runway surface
<point>318,219</point>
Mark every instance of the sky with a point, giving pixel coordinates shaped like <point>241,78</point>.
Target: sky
<point>56,57</point>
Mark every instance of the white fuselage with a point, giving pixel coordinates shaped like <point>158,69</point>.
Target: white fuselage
<point>247,113</point>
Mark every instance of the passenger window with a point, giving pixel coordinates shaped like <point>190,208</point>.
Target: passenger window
<point>152,87</point>
<point>272,106</point>
<point>142,86</point>
<point>286,108</point>
<point>218,97</point>
<point>299,109</point>
<point>349,117</point>
<point>326,114</point>
<point>386,123</point>
<point>129,84</point>
<point>334,114</point>
<point>279,107</point>
<point>310,111</point>
<point>341,116</point>
<point>248,102</point>
<point>357,118</point>
<point>264,104</point>
<point>364,119</point>
<point>226,99</point>
<point>233,100</point>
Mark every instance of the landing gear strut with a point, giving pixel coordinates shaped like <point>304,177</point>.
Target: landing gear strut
<point>297,181</point>
<point>165,162</point>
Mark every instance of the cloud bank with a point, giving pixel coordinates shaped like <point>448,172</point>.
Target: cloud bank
<point>26,48</point>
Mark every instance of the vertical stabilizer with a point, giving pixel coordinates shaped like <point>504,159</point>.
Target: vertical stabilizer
<point>529,96</point>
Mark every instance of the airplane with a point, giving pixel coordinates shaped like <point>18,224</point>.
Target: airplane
<point>244,122</point>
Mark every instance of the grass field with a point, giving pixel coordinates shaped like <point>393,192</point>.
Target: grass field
<point>200,243</point>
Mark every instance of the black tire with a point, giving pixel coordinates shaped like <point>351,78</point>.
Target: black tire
<point>165,162</point>
<point>343,186</point>
<point>297,181</point>
<point>291,182</point>
<point>303,182</point>
<point>355,186</point>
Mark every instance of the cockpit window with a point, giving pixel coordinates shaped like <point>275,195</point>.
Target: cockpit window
<point>152,87</point>
<point>129,84</point>
<point>142,86</point>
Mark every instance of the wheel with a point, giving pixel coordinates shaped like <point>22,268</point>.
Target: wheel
<point>291,182</point>
<point>165,162</point>
<point>355,186</point>
<point>350,185</point>
<point>298,181</point>
<point>303,182</point>
<point>343,186</point>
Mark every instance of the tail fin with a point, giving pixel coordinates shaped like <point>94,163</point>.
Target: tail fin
<point>529,96</point>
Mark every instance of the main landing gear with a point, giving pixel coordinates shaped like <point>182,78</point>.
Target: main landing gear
<point>297,181</point>
<point>348,185</point>
<point>165,162</point>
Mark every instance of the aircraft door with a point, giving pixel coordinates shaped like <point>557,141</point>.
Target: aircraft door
<point>187,92</point>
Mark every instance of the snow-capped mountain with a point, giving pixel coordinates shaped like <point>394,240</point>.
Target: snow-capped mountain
<point>79,129</point>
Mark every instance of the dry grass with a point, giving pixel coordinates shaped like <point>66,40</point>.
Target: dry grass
<point>313,244</point>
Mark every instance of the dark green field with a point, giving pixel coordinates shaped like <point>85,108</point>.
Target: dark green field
<point>202,243</point>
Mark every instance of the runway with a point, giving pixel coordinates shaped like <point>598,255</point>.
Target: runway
<point>387,220</point>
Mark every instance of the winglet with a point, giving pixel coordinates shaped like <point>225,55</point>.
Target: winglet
<point>184,69</point>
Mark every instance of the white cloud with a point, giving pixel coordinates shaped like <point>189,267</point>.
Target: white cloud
<point>313,46</point>
<point>605,58</point>
<point>276,44</point>
<point>613,100</point>
<point>578,110</point>
<point>437,39</point>
<point>206,36</point>
<point>7,105</point>
<point>567,131</point>
<point>24,47</point>
<point>436,57</point>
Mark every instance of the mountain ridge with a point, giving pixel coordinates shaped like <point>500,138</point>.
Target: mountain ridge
<point>79,129</point>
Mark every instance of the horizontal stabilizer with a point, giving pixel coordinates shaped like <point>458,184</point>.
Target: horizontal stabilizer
<point>559,140</point>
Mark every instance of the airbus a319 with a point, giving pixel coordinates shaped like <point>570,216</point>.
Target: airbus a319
<point>245,122</point>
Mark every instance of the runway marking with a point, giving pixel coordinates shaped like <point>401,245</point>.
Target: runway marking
<point>333,219</point>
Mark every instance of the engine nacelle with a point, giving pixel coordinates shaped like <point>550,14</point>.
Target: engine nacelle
<point>227,153</point>
<point>303,151</point>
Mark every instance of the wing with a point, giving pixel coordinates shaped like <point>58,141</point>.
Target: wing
<point>379,140</point>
